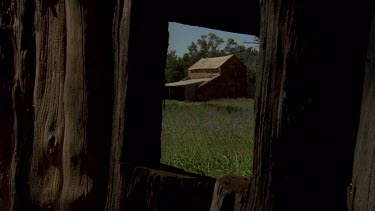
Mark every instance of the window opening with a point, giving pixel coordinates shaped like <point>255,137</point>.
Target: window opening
<point>208,115</point>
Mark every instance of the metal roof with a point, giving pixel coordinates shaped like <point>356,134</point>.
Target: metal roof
<point>188,82</point>
<point>210,63</point>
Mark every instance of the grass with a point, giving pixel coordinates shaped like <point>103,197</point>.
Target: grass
<point>209,138</point>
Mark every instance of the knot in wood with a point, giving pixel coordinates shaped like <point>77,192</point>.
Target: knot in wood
<point>52,145</point>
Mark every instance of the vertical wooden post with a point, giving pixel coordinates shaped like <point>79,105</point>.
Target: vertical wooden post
<point>6,126</point>
<point>307,103</point>
<point>140,45</point>
<point>116,179</point>
<point>363,187</point>
<point>46,174</point>
<point>22,12</point>
<point>88,100</point>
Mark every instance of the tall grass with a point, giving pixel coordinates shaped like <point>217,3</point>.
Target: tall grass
<point>211,138</point>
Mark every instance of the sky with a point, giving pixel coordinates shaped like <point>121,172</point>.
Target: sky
<point>180,36</point>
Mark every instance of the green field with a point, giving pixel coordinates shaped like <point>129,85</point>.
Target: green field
<point>209,138</point>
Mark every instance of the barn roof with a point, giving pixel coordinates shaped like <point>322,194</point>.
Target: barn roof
<point>188,82</point>
<point>210,63</point>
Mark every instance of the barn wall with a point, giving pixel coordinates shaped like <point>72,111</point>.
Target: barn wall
<point>175,93</point>
<point>204,73</point>
<point>231,83</point>
<point>234,66</point>
<point>235,72</point>
<point>221,87</point>
<point>190,92</point>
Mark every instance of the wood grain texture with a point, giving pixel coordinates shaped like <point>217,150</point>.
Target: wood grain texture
<point>87,104</point>
<point>46,174</point>
<point>363,186</point>
<point>305,126</point>
<point>77,183</point>
<point>230,193</point>
<point>278,39</point>
<point>23,41</point>
<point>116,179</point>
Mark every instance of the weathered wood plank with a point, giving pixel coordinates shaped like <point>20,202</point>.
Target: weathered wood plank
<point>145,78</point>
<point>88,101</point>
<point>117,179</point>
<point>6,125</point>
<point>151,189</point>
<point>230,193</point>
<point>140,46</point>
<point>305,124</point>
<point>363,186</point>
<point>77,183</point>
<point>22,12</point>
<point>46,174</point>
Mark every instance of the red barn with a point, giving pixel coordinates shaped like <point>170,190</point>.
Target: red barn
<point>211,78</point>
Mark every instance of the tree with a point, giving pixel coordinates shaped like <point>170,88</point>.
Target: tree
<point>174,69</point>
<point>232,47</point>
<point>210,45</point>
<point>207,46</point>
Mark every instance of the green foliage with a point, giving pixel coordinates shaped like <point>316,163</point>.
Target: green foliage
<point>209,138</point>
<point>175,67</point>
<point>250,58</point>
<point>208,46</point>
